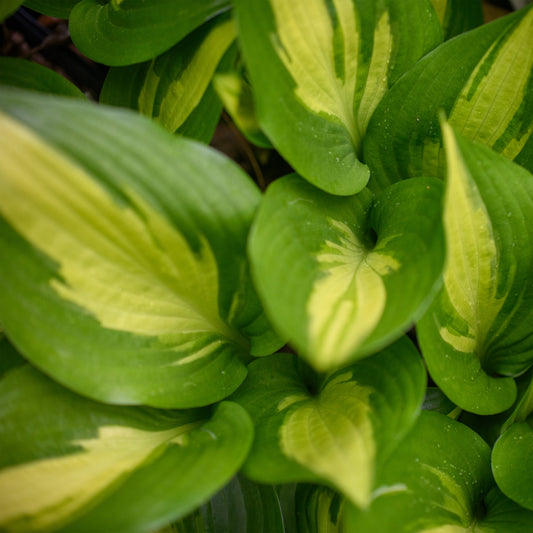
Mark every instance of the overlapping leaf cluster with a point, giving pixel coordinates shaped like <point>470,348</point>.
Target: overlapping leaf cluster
<point>180,352</point>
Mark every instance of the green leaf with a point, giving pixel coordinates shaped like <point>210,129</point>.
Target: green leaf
<point>504,516</point>
<point>240,507</point>
<point>28,75</point>
<point>433,483</point>
<point>340,435</point>
<point>479,327</point>
<point>128,279</point>
<point>512,463</point>
<point>326,64</point>
<point>123,32</point>
<point>458,16</point>
<point>318,509</point>
<point>70,463</point>
<point>436,400</point>
<point>8,7</point>
<point>175,85</point>
<point>236,95</point>
<point>346,294</point>
<point>482,79</point>
<point>9,357</point>
<point>438,481</point>
<point>52,8</point>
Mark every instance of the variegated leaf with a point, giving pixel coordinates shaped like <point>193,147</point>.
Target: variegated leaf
<point>175,87</point>
<point>479,328</point>
<point>318,70</point>
<point>127,277</point>
<point>438,481</point>
<point>123,32</point>
<point>347,292</point>
<point>72,464</point>
<point>341,434</point>
<point>483,80</point>
<point>236,95</point>
<point>512,453</point>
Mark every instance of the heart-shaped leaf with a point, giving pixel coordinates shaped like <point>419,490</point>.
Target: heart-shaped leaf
<point>174,88</point>
<point>438,480</point>
<point>128,278</point>
<point>482,79</point>
<point>81,466</point>
<point>319,68</point>
<point>328,285</point>
<point>240,507</point>
<point>339,436</point>
<point>457,16</point>
<point>123,32</point>
<point>480,326</point>
<point>28,75</point>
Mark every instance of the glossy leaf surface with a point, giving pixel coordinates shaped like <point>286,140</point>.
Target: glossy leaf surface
<point>65,458</point>
<point>123,32</point>
<point>347,293</point>
<point>438,481</point>
<point>512,463</point>
<point>483,80</point>
<point>479,326</point>
<point>174,88</point>
<point>28,75</point>
<point>340,435</point>
<point>326,65</point>
<point>127,277</point>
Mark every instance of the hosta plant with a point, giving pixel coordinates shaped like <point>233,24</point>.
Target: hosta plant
<point>349,350</point>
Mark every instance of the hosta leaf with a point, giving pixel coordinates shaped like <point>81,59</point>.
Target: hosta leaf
<point>512,463</point>
<point>9,357</point>
<point>318,509</point>
<point>176,85</point>
<point>438,481</point>
<point>236,95</point>
<point>52,8</point>
<point>346,294</point>
<point>479,327</point>
<point>483,80</point>
<point>78,465</point>
<point>123,32</point>
<point>339,436</point>
<point>457,16</point>
<point>435,400</point>
<point>513,451</point>
<point>240,507</point>
<point>28,75</point>
<point>326,64</point>
<point>7,7</point>
<point>127,277</point>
